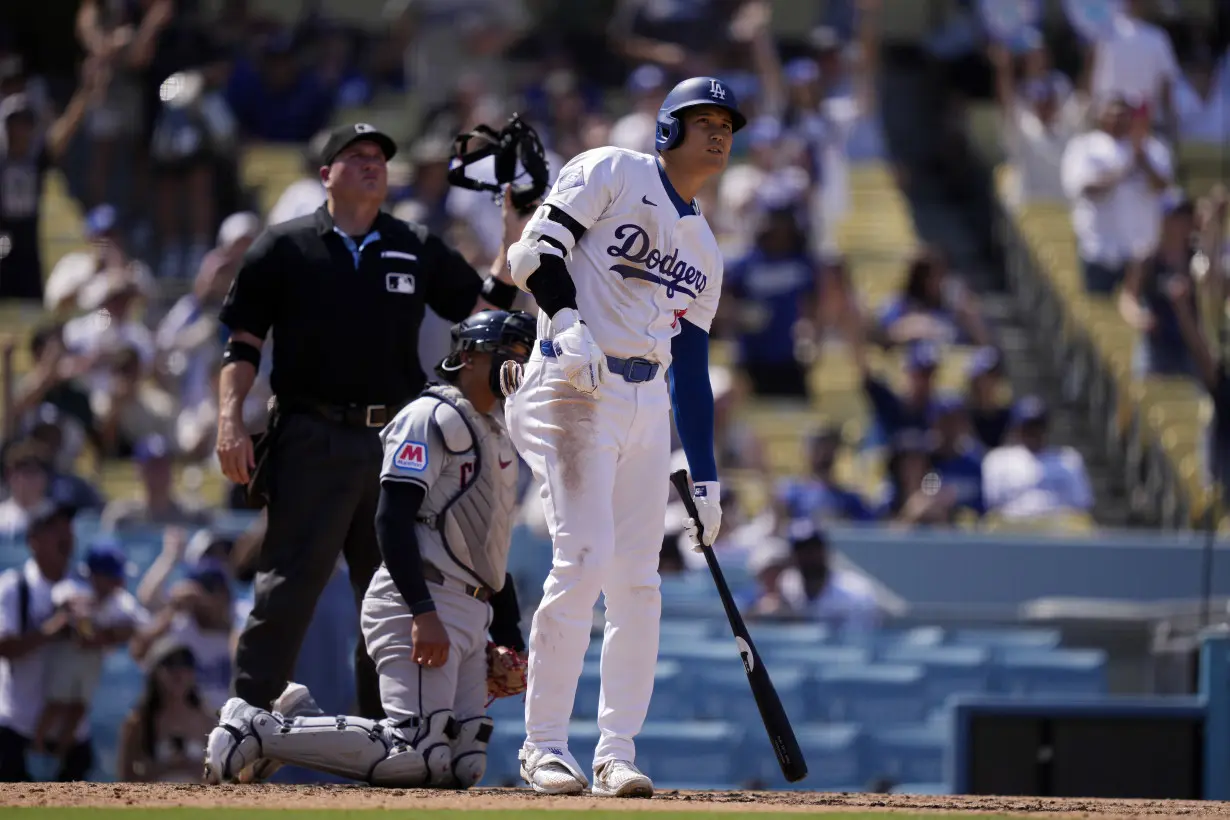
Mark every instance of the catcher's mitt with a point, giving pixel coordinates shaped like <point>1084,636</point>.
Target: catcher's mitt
<point>506,671</point>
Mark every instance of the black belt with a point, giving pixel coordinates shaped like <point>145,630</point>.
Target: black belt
<point>432,573</point>
<point>347,415</point>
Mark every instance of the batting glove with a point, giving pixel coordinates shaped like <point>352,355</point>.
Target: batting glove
<point>707,495</point>
<point>582,361</point>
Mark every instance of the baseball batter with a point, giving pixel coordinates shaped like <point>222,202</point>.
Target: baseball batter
<point>448,492</point>
<point>626,273</point>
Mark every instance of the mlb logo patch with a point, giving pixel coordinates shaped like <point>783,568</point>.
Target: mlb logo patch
<point>399,283</point>
<point>572,178</point>
<point>411,455</point>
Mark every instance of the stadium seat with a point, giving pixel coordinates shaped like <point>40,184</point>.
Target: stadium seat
<point>671,699</point>
<point>814,658</point>
<point>874,694</point>
<point>697,753</point>
<point>726,695</point>
<point>834,755</point>
<point>1074,672</point>
<point>999,640</point>
<point>911,754</point>
<point>949,670</point>
<point>766,635</point>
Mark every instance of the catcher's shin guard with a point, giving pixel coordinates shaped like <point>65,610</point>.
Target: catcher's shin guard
<point>356,748</point>
<point>432,740</point>
<point>470,750</point>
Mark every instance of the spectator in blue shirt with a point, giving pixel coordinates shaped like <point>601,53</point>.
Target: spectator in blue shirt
<point>985,402</point>
<point>956,457</point>
<point>819,496</point>
<point>892,412</point>
<point>914,494</point>
<point>933,304</point>
<point>775,286</point>
<point>276,99</point>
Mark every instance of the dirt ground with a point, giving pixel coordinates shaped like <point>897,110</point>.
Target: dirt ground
<point>120,795</point>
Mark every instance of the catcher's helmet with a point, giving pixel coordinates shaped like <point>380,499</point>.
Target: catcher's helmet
<point>491,331</point>
<point>688,94</point>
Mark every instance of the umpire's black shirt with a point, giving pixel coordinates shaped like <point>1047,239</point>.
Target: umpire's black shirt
<point>345,311</point>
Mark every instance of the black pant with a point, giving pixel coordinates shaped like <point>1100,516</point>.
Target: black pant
<point>75,765</point>
<point>324,482</point>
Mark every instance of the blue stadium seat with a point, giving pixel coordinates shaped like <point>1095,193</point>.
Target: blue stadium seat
<point>699,753</point>
<point>766,635</point>
<point>909,754</point>
<point>1074,672</point>
<point>671,700</point>
<point>834,755</point>
<point>874,694</point>
<point>1004,639</point>
<point>912,636</point>
<point>949,670</point>
<point>813,658</point>
<point>725,694</point>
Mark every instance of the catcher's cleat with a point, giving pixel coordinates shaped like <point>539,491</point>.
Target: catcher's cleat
<point>551,770</point>
<point>295,701</point>
<point>233,744</point>
<point>621,778</point>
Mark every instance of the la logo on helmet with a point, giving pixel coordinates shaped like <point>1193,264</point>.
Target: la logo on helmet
<point>716,91</point>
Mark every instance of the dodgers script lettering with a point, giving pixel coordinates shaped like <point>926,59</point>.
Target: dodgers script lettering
<point>675,271</point>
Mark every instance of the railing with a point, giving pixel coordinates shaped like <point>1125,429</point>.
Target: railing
<point>1152,483</point>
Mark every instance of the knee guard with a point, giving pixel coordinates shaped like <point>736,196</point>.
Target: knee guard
<point>357,748</point>
<point>470,750</point>
<point>432,740</point>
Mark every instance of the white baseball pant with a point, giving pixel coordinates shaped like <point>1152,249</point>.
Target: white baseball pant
<point>603,467</point>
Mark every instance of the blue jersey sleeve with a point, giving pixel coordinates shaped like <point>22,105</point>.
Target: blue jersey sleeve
<point>692,399</point>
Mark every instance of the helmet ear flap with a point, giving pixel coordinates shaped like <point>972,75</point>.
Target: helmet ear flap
<point>670,132</point>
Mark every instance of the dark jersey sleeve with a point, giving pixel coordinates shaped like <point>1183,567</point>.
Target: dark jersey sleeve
<point>395,518</point>
<point>506,617</point>
<point>453,284</point>
<point>251,303</point>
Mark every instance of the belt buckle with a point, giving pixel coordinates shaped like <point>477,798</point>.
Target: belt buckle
<point>476,592</point>
<point>639,370</point>
<point>367,418</point>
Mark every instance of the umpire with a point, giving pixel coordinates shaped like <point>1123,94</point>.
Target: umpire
<point>343,291</point>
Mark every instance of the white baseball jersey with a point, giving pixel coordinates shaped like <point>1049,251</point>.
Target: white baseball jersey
<point>646,259</point>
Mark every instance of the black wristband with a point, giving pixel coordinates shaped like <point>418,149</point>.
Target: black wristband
<point>423,607</point>
<point>241,352</point>
<point>499,293</point>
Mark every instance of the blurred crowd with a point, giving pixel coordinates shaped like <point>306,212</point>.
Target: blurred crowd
<point>150,128</point>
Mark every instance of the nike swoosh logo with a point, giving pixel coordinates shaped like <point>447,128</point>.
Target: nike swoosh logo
<point>645,199</point>
<point>504,464</point>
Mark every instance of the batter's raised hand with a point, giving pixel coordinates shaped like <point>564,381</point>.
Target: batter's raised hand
<point>583,362</point>
<point>428,640</point>
<point>708,498</point>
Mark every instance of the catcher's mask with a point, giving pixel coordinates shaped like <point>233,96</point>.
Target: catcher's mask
<point>517,140</point>
<point>507,335</point>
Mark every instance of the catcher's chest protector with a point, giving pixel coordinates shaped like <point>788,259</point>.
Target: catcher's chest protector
<point>475,520</point>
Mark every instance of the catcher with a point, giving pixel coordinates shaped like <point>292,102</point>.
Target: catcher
<point>447,498</point>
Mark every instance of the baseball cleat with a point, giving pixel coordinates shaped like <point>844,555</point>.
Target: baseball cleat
<point>233,743</point>
<point>295,701</point>
<point>620,778</point>
<point>551,770</point>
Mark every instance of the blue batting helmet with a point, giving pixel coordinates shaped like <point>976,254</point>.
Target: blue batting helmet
<point>690,93</point>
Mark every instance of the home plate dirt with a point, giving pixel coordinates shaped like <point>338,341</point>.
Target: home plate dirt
<point>133,795</point>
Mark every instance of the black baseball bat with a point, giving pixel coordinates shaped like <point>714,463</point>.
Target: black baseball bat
<point>772,714</point>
